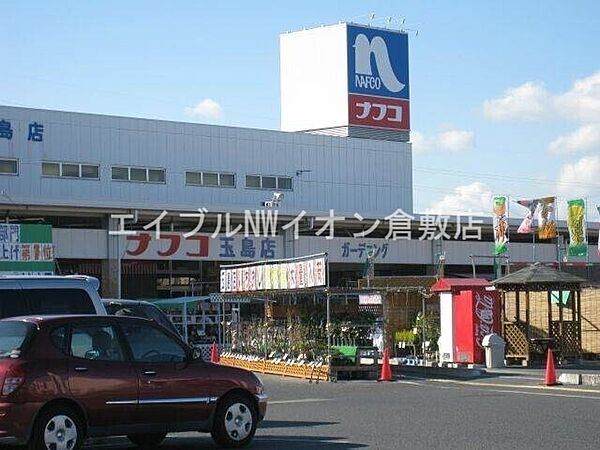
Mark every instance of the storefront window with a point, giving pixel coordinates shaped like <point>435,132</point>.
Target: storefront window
<point>284,183</point>
<point>136,174</point>
<point>89,171</point>
<point>210,179</point>
<point>8,167</point>
<point>156,175</point>
<point>193,178</point>
<point>227,180</point>
<point>70,170</point>
<point>269,182</point>
<point>50,169</point>
<point>252,181</point>
<point>120,173</point>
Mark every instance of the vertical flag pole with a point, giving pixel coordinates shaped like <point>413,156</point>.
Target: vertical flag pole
<point>328,326</point>
<point>557,234</point>
<point>507,256</point>
<point>587,242</point>
<point>534,252</point>
<point>598,244</point>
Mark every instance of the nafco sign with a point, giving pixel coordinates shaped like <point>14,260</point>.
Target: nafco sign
<point>378,78</point>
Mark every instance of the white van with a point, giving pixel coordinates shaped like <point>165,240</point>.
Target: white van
<point>49,295</point>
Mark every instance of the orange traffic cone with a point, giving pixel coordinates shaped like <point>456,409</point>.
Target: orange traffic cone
<point>550,376</point>
<point>386,370</point>
<point>214,353</point>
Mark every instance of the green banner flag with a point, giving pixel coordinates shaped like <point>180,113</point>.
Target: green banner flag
<point>500,211</point>
<point>577,228</point>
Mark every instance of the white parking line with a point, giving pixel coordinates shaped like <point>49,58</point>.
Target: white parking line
<point>522,389</point>
<point>520,386</point>
<point>507,377</point>
<point>545,394</point>
<point>412,383</point>
<point>300,400</point>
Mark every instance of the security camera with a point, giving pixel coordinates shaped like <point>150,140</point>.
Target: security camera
<point>274,202</point>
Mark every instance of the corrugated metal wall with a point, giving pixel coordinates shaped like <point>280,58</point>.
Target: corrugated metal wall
<point>371,177</point>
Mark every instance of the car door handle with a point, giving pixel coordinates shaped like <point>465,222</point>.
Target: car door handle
<point>149,373</point>
<point>81,369</point>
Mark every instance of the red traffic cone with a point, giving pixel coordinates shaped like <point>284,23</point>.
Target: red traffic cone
<point>550,376</point>
<point>386,370</point>
<point>214,353</point>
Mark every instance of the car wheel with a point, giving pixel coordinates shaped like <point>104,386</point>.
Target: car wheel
<point>57,428</point>
<point>147,440</point>
<point>235,421</point>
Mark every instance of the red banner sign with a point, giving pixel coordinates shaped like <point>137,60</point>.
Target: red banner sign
<point>380,112</point>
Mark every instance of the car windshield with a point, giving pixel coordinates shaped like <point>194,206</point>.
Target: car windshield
<point>13,336</point>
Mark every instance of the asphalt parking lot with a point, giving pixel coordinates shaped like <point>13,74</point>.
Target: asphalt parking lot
<point>490,414</point>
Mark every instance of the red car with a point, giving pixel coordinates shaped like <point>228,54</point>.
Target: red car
<point>65,378</point>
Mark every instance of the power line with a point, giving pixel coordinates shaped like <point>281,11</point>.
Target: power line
<point>521,179</point>
<point>429,170</point>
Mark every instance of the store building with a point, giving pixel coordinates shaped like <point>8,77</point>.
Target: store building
<point>75,171</point>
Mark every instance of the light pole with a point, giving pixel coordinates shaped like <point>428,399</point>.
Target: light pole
<point>424,295</point>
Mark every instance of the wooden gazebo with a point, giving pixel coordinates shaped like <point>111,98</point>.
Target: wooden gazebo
<point>541,308</point>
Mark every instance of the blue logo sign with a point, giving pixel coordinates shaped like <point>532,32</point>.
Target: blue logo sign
<point>377,62</point>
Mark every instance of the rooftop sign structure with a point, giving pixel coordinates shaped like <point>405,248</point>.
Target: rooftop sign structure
<point>346,79</point>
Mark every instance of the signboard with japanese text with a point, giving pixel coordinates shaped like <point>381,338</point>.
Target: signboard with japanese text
<point>178,246</point>
<point>10,129</point>
<point>280,275</point>
<point>350,250</point>
<point>378,86</point>
<point>370,299</point>
<point>26,249</point>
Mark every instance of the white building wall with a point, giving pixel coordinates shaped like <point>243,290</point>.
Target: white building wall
<point>314,78</point>
<point>446,340</point>
<point>349,175</point>
<point>80,244</point>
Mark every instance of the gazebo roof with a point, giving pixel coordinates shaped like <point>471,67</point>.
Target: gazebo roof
<point>538,277</point>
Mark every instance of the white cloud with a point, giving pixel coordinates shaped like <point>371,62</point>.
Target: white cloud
<point>586,137</point>
<point>456,140</point>
<point>532,101</point>
<point>420,143</point>
<point>206,108</point>
<point>474,198</point>
<point>580,178</point>
<point>451,140</point>
<point>582,101</point>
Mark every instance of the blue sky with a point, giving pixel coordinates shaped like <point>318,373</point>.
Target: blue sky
<point>496,102</point>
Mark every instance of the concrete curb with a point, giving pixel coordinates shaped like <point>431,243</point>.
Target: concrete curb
<point>589,379</point>
<point>438,372</point>
<point>570,378</point>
